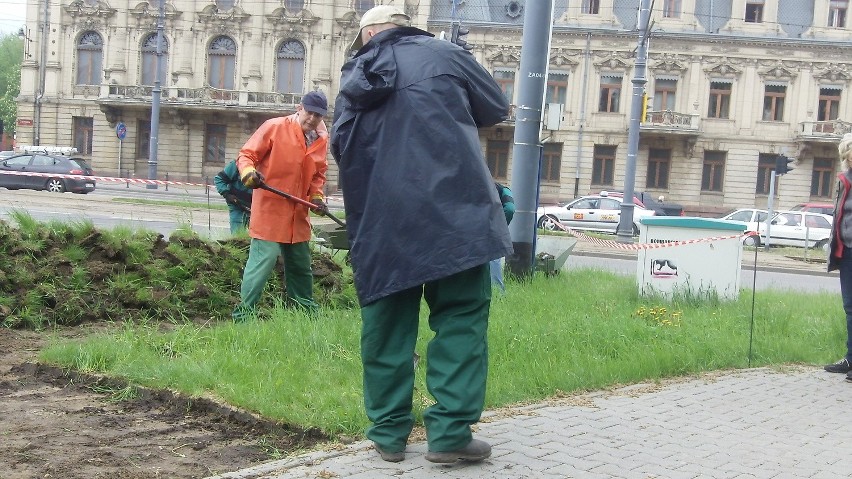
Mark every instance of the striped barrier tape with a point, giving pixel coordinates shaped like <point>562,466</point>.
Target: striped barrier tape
<point>113,179</point>
<point>638,246</point>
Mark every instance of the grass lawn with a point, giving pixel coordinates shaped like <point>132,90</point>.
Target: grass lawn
<point>576,331</point>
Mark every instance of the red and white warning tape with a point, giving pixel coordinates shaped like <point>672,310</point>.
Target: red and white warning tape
<point>637,246</point>
<point>113,179</point>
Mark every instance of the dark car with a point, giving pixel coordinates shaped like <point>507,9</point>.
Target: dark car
<point>49,165</point>
<point>661,208</point>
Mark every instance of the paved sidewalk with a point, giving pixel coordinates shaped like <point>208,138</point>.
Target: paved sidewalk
<point>758,423</point>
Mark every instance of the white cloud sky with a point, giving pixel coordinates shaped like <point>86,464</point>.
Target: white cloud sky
<point>13,15</point>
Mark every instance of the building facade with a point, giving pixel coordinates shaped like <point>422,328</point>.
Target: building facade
<point>731,84</point>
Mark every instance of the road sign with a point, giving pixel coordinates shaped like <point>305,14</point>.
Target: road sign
<point>121,131</point>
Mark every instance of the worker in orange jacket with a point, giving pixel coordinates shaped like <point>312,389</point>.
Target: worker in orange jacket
<point>289,154</point>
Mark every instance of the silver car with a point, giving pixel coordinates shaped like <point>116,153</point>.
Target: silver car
<point>798,228</point>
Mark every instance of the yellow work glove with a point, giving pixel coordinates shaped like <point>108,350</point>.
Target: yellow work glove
<point>251,177</point>
<point>321,207</point>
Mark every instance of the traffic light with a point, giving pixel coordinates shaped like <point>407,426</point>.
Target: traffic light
<point>457,35</point>
<point>782,165</point>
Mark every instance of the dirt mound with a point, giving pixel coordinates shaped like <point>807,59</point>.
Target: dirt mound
<point>69,274</point>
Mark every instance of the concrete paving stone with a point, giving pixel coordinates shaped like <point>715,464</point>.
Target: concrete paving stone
<point>758,423</point>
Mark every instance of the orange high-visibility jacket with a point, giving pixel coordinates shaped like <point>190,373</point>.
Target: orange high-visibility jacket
<point>278,151</point>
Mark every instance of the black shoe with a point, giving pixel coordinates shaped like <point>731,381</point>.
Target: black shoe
<point>841,366</point>
<point>475,450</point>
<point>390,456</point>
<point>849,376</point>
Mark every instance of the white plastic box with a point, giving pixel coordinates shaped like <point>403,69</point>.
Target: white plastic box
<point>698,269</point>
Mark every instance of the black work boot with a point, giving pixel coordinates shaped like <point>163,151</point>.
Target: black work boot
<point>475,450</point>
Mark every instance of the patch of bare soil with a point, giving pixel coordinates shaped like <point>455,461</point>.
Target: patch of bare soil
<point>60,424</point>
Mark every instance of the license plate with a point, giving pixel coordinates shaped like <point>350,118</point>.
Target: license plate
<point>90,185</point>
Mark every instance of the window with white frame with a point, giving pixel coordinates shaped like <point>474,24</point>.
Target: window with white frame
<point>720,99</point>
<point>221,61</point>
<point>773,101</point>
<point>290,67</point>
<point>592,7</point>
<point>665,91</point>
<point>557,88</point>
<point>837,13</point>
<point>149,59</point>
<point>671,8</point>
<point>610,94</point>
<point>754,11</point>
<point>506,80</point>
<point>90,53</point>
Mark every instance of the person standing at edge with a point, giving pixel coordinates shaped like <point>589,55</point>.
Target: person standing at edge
<point>840,251</point>
<point>289,153</point>
<point>236,194</point>
<point>423,221</point>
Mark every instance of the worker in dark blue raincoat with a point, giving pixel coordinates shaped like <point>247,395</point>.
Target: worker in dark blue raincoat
<point>423,220</point>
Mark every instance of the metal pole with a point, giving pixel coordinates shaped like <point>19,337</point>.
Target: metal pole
<point>42,69</point>
<point>538,24</point>
<point>155,101</point>
<point>587,56</point>
<point>769,208</point>
<point>625,226</point>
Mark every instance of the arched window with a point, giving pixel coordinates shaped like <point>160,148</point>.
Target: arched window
<point>294,6</point>
<point>221,59</point>
<point>90,53</point>
<point>225,5</point>
<point>290,67</point>
<point>149,59</point>
<point>361,6</point>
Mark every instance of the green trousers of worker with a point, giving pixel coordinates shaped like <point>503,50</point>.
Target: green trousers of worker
<point>456,360</point>
<point>261,260</point>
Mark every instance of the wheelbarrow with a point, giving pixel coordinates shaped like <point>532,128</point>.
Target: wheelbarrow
<point>332,236</point>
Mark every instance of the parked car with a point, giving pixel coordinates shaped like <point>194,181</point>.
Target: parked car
<point>752,217</point>
<point>824,208</point>
<point>798,228</point>
<point>601,212</point>
<point>658,204</point>
<point>51,165</point>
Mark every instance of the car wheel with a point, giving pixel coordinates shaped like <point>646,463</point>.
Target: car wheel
<point>548,223</point>
<point>635,230</point>
<point>752,240</point>
<point>55,185</point>
<point>824,246</point>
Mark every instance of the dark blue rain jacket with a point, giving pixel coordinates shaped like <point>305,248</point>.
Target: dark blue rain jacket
<point>420,202</point>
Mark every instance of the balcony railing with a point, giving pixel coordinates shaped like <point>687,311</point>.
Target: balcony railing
<point>670,120</point>
<point>824,130</point>
<point>202,96</point>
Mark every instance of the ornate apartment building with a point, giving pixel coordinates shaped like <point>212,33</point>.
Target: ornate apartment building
<point>731,83</point>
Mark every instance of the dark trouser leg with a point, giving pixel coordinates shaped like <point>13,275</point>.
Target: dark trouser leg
<point>300,277</point>
<point>261,260</point>
<point>846,294</point>
<point>457,356</point>
<point>388,337</point>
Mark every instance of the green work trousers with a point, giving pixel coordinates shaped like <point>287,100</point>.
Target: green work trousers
<point>261,260</point>
<point>456,360</point>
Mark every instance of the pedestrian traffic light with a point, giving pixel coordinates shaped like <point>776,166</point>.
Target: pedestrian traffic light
<point>782,165</point>
<point>457,35</point>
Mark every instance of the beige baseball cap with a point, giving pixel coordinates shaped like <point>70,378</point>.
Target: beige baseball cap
<point>378,15</point>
